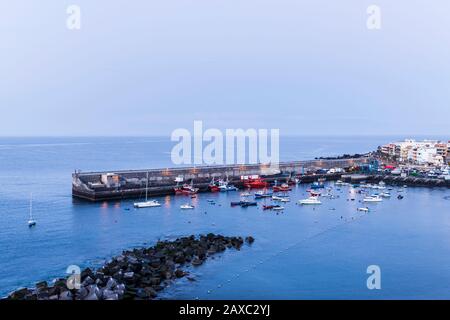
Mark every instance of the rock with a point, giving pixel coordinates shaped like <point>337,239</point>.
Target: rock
<point>110,295</point>
<point>249,239</point>
<point>197,262</point>
<point>66,295</point>
<point>41,285</point>
<point>87,281</point>
<point>150,292</point>
<point>179,273</point>
<point>111,283</point>
<point>19,294</point>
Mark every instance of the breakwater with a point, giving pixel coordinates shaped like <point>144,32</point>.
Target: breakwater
<point>124,184</point>
<point>135,274</point>
<point>398,180</point>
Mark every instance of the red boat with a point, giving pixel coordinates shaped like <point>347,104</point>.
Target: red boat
<point>283,188</point>
<point>213,187</point>
<point>255,183</point>
<point>186,189</point>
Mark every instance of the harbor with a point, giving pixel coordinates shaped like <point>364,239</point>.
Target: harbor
<point>125,184</point>
<point>305,222</point>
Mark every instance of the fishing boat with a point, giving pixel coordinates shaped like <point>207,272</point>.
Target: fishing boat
<point>213,187</point>
<point>282,188</point>
<point>186,206</point>
<point>147,203</point>
<point>310,200</point>
<point>363,209</point>
<point>186,189</point>
<point>375,198</point>
<point>31,221</point>
<point>255,183</point>
<point>224,186</point>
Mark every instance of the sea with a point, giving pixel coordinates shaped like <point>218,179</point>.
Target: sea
<point>303,252</point>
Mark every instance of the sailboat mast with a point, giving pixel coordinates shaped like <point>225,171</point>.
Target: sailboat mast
<point>146,188</point>
<point>31,206</point>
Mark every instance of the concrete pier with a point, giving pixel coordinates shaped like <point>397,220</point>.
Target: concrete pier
<point>124,184</point>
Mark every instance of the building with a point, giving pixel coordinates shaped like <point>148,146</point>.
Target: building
<point>427,152</point>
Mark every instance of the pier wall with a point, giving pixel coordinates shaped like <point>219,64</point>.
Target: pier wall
<point>123,184</point>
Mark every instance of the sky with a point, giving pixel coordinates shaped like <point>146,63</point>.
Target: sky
<point>146,67</point>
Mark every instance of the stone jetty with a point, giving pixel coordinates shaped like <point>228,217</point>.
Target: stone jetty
<point>137,274</point>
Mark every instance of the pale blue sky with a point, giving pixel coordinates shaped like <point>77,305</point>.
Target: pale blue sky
<point>146,67</point>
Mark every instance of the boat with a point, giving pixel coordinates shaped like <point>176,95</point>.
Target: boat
<point>262,194</point>
<point>317,185</point>
<point>285,199</point>
<point>385,194</point>
<point>339,183</point>
<point>255,183</point>
<point>400,197</point>
<point>283,188</point>
<point>314,193</point>
<point>147,203</point>
<point>243,203</point>
<point>278,208</point>
<point>186,189</point>
<point>310,200</point>
<point>363,209</point>
<point>186,206</point>
<point>213,187</point>
<point>225,187</point>
<point>374,198</point>
<point>245,194</point>
<point>31,221</point>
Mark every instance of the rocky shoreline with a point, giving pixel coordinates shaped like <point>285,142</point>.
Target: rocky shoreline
<point>137,274</point>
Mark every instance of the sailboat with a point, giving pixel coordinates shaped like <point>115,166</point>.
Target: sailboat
<point>31,221</point>
<point>147,203</point>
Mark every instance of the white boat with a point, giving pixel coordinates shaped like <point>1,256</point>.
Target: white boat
<point>310,200</point>
<point>147,203</point>
<point>373,199</point>
<point>385,195</point>
<point>363,209</point>
<point>245,194</point>
<point>285,200</point>
<point>279,208</point>
<point>31,221</point>
<point>339,183</point>
<point>186,206</point>
<point>277,198</point>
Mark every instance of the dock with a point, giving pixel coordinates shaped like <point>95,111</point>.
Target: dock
<point>127,184</point>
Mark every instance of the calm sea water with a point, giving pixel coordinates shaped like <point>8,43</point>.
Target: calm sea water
<point>304,252</point>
